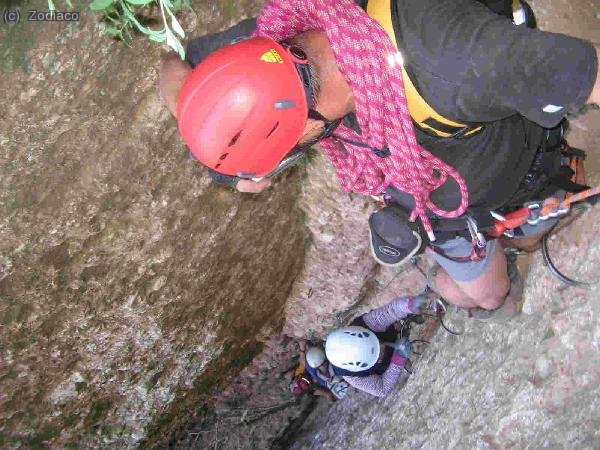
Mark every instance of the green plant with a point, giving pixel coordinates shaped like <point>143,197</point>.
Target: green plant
<point>123,16</point>
<point>51,4</point>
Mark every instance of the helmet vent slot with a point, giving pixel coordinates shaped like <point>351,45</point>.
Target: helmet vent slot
<point>273,129</point>
<point>234,139</point>
<point>223,156</point>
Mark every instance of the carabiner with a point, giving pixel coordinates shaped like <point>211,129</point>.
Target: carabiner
<point>476,237</point>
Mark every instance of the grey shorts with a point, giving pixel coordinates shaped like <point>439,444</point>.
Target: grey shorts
<point>471,270</point>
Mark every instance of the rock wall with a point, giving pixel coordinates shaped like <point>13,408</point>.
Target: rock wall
<point>130,285</point>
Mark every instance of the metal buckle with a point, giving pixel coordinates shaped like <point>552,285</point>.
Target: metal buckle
<point>476,237</point>
<point>496,215</point>
<point>535,209</point>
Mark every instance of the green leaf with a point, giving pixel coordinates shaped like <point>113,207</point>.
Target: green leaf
<point>98,5</point>
<point>177,27</point>
<point>51,5</point>
<point>174,43</point>
<point>127,37</point>
<point>114,32</point>
<point>158,37</point>
<point>113,20</point>
<point>137,24</point>
<point>139,2</point>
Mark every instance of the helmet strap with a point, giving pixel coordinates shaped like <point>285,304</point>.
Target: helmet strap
<point>329,125</point>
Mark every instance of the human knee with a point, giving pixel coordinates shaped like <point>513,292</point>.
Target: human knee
<point>494,296</point>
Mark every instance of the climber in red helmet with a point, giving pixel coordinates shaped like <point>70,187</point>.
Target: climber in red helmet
<point>248,111</point>
<point>451,110</point>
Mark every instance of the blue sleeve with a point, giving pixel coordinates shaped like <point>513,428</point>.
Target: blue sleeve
<point>200,47</point>
<point>313,374</point>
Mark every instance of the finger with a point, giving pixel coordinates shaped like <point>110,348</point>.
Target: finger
<point>253,187</point>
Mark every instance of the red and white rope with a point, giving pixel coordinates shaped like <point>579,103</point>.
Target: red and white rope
<point>361,49</point>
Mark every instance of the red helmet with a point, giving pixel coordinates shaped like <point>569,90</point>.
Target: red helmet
<point>244,107</point>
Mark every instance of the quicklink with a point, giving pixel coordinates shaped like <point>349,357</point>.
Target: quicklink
<point>534,212</point>
<point>554,207</point>
<point>477,239</point>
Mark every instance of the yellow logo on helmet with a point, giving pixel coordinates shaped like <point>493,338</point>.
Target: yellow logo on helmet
<point>271,57</point>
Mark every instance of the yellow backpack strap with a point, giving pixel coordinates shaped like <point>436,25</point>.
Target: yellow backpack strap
<point>424,116</point>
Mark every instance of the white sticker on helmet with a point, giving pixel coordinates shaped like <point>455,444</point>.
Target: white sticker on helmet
<point>552,108</point>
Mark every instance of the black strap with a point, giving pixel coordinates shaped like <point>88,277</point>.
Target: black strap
<point>382,153</point>
<point>563,181</point>
<point>501,7</point>
<point>455,132</point>
<point>222,179</point>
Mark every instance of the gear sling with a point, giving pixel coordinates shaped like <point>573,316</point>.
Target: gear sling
<point>477,223</point>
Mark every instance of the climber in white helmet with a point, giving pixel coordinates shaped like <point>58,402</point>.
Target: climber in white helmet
<point>371,353</point>
<point>317,369</point>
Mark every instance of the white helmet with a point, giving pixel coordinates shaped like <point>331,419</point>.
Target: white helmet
<point>352,348</point>
<point>315,357</point>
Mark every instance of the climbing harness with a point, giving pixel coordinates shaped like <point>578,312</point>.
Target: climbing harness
<point>430,121</point>
<point>478,242</point>
<point>570,176</point>
<point>419,340</point>
<point>533,213</point>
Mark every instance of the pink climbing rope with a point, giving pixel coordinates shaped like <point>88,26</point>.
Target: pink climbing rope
<point>361,49</point>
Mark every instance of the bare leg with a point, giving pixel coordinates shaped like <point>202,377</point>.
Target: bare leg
<point>487,292</point>
<point>449,290</point>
